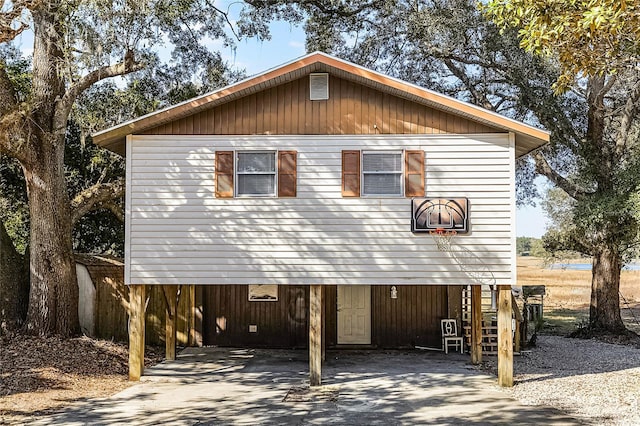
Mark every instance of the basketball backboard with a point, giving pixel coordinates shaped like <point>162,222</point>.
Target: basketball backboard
<point>449,214</point>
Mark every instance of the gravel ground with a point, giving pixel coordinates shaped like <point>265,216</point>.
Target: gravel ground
<point>593,381</point>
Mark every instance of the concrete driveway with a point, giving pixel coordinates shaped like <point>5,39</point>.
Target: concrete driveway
<point>248,387</point>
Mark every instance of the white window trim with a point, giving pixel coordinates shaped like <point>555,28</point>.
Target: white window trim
<point>236,172</point>
<point>401,172</point>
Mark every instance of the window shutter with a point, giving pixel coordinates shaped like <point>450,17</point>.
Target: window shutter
<point>287,173</point>
<point>350,173</point>
<point>224,174</point>
<point>414,174</point>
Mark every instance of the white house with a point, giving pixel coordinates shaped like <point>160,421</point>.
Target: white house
<point>299,202</point>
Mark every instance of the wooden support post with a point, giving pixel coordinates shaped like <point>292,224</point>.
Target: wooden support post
<point>315,335</point>
<point>171,303</point>
<point>324,324</point>
<point>505,337</point>
<point>476,324</point>
<point>191,310</point>
<point>197,314</point>
<point>517,338</point>
<point>137,299</point>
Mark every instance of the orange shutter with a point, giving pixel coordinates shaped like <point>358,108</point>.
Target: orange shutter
<point>224,174</point>
<point>414,174</point>
<point>350,173</point>
<point>287,173</point>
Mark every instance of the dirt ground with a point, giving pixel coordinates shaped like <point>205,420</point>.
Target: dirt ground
<point>40,375</point>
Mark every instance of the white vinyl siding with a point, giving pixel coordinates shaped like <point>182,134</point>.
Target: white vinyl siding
<point>178,232</point>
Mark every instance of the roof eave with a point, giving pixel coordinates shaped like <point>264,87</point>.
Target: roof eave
<point>114,137</point>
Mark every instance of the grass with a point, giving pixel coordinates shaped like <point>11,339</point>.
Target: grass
<point>566,303</point>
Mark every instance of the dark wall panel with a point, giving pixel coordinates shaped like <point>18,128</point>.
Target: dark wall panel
<point>411,319</point>
<point>281,324</point>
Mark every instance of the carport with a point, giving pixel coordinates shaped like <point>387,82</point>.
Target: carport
<point>251,386</point>
<point>317,350</point>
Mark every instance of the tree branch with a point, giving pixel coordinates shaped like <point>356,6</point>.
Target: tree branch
<point>226,18</point>
<point>10,116</point>
<point>9,18</point>
<point>116,209</point>
<point>544,168</point>
<point>13,135</point>
<point>65,104</point>
<point>629,112</point>
<point>479,97</point>
<point>96,197</point>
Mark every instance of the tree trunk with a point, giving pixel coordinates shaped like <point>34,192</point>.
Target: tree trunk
<point>14,285</point>
<point>53,301</point>
<point>604,312</point>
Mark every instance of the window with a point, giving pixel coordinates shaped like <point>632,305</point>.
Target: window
<point>263,292</point>
<point>256,173</point>
<point>382,173</point>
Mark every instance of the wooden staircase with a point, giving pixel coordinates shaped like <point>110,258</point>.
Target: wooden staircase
<point>489,321</point>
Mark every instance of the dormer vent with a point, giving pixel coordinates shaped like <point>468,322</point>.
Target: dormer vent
<point>319,86</point>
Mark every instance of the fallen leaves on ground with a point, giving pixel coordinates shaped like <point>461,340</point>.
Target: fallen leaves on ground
<point>41,375</point>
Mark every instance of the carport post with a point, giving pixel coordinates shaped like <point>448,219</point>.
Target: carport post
<point>315,335</point>
<point>505,337</point>
<point>171,301</point>
<point>476,324</point>
<point>137,299</point>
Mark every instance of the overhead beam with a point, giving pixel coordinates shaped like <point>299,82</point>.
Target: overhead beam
<point>315,335</point>
<point>505,337</point>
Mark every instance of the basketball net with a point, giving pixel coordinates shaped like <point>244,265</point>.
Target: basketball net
<point>442,238</point>
<point>470,263</point>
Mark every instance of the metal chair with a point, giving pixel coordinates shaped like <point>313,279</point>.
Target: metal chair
<point>449,329</point>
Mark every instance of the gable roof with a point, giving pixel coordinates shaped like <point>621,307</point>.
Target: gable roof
<point>528,138</point>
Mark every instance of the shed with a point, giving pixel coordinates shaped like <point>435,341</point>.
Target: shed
<point>301,203</point>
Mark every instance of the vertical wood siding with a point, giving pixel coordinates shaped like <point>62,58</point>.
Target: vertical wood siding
<point>411,319</point>
<point>350,109</point>
<point>228,315</point>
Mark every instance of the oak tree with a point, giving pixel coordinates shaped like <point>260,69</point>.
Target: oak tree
<point>77,45</point>
<point>597,48</point>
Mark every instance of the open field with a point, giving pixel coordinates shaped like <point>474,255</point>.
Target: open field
<point>568,291</point>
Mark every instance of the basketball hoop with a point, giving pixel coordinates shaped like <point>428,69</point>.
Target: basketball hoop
<point>442,237</point>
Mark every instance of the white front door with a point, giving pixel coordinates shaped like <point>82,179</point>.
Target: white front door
<point>354,315</point>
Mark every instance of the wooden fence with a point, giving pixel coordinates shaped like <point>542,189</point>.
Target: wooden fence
<point>105,301</point>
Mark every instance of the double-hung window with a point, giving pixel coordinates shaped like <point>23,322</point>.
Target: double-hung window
<point>256,173</point>
<point>382,173</point>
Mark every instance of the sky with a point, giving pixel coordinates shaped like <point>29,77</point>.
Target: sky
<point>287,43</point>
